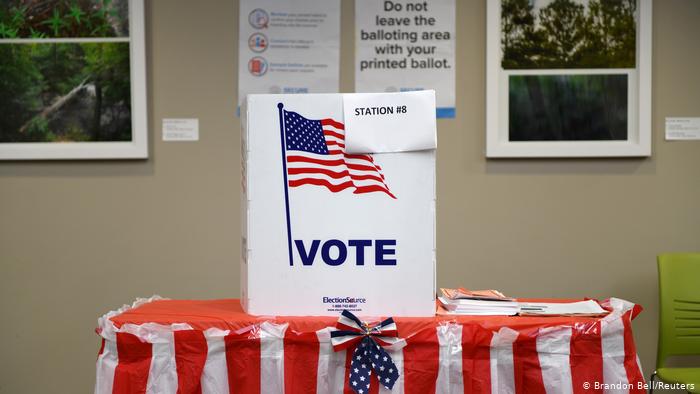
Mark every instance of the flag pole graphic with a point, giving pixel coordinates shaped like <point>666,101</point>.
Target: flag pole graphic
<point>280,107</point>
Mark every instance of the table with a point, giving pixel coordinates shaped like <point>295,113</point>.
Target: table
<point>183,346</point>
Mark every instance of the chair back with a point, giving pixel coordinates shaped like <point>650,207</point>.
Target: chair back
<point>679,306</point>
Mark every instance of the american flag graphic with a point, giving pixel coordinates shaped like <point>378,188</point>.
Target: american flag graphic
<point>316,155</point>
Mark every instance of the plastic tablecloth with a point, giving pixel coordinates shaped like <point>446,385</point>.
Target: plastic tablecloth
<point>184,346</point>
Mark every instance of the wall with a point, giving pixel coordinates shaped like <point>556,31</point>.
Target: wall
<point>80,238</point>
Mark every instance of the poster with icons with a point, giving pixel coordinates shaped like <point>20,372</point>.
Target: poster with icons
<point>288,47</point>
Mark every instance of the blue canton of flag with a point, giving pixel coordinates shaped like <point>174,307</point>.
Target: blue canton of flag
<point>304,134</point>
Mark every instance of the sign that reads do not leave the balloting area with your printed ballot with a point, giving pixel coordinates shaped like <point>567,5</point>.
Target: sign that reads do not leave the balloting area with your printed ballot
<point>406,45</point>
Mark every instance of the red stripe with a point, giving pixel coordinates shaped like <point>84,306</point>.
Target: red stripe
<point>366,178</point>
<point>331,122</point>
<point>360,167</point>
<point>243,363</point>
<point>131,374</point>
<point>311,170</point>
<point>634,375</point>
<point>304,159</point>
<point>391,333</point>
<point>586,358</point>
<point>360,157</point>
<point>335,143</point>
<point>421,359</point>
<point>372,167</point>
<point>342,326</point>
<point>527,372</point>
<point>358,176</point>
<point>373,188</point>
<point>190,356</point>
<point>333,134</point>
<point>332,174</point>
<point>476,359</point>
<point>350,156</point>
<point>321,182</point>
<point>300,362</point>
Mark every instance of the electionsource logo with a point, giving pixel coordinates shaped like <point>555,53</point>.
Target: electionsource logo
<point>344,300</point>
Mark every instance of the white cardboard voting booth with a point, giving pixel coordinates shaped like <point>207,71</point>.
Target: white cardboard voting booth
<point>338,204</point>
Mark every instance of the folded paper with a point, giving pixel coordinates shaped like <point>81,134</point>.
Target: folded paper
<point>390,122</point>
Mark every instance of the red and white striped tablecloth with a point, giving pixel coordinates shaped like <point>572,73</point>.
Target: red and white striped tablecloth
<point>170,346</point>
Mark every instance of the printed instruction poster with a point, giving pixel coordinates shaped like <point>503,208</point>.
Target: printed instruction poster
<point>406,45</point>
<point>288,47</point>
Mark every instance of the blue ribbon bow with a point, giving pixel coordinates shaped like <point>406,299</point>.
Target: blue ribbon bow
<point>369,356</point>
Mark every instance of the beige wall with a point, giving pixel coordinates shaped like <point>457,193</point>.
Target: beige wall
<point>80,238</point>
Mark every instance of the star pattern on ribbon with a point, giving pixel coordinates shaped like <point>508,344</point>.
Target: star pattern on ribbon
<point>369,357</point>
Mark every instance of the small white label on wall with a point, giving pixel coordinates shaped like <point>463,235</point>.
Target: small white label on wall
<point>180,129</point>
<point>682,129</point>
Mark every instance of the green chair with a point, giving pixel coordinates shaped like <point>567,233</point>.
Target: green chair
<point>679,317</point>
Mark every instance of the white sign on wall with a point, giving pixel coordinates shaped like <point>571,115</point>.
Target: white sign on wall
<point>180,129</point>
<point>682,129</point>
<point>406,45</point>
<point>288,47</point>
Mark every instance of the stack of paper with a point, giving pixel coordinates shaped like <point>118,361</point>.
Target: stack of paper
<point>479,307</point>
<point>492,302</point>
<point>462,293</point>
<point>479,302</point>
<point>580,308</point>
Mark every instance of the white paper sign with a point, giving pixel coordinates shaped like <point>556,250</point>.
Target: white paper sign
<point>180,129</point>
<point>288,47</point>
<point>682,129</point>
<point>389,122</point>
<point>406,45</point>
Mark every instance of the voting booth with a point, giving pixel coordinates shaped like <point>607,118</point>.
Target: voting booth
<point>338,204</point>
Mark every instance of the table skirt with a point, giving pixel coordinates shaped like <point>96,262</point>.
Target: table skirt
<point>170,346</point>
